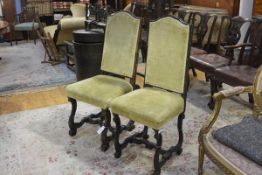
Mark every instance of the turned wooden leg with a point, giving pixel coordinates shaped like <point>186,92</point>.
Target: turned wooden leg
<point>157,164</point>
<point>180,133</point>
<point>71,123</point>
<point>105,139</point>
<point>118,150</point>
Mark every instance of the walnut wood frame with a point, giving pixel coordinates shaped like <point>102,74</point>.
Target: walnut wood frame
<point>103,118</point>
<point>161,155</point>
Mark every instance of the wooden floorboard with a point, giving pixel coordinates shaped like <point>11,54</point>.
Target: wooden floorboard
<point>33,100</point>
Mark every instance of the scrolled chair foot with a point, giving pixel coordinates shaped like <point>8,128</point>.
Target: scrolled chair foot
<point>117,154</point>
<point>179,150</point>
<point>72,132</point>
<point>104,147</point>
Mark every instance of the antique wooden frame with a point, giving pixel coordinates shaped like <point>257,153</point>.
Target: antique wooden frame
<point>205,147</point>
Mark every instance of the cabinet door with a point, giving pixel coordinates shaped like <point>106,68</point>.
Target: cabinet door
<point>9,10</point>
<point>257,7</point>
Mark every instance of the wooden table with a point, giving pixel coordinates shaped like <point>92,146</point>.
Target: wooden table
<point>3,28</point>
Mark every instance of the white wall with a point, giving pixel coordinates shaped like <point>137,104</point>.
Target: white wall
<point>245,10</point>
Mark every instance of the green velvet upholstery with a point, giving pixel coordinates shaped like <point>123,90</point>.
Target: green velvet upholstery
<point>167,54</point>
<point>151,107</point>
<point>98,90</point>
<point>26,26</point>
<point>120,45</point>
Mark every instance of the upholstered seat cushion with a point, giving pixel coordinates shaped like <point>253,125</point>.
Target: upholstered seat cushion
<point>244,137</point>
<point>208,62</point>
<point>26,26</point>
<point>149,106</point>
<point>236,75</point>
<point>98,90</point>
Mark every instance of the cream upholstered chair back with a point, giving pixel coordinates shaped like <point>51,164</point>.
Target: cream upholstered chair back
<point>168,46</point>
<point>122,29</point>
<point>78,10</point>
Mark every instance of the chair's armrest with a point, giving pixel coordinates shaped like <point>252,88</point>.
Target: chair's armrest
<point>228,47</point>
<point>218,98</point>
<point>72,23</point>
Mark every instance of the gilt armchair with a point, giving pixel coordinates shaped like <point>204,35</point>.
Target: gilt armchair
<point>235,149</point>
<point>164,95</point>
<point>115,80</point>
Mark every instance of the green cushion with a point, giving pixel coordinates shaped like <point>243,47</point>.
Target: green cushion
<point>26,26</point>
<point>150,106</point>
<point>98,90</point>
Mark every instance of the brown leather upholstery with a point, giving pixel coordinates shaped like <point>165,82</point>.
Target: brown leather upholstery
<point>197,51</point>
<point>236,75</point>
<point>208,62</point>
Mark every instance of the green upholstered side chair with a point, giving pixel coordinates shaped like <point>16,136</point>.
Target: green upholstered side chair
<point>164,94</point>
<point>118,74</point>
<point>26,22</point>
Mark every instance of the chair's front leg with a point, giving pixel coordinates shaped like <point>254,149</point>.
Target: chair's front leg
<point>118,149</point>
<point>180,133</point>
<point>201,155</point>
<point>71,122</point>
<point>107,124</point>
<point>157,164</point>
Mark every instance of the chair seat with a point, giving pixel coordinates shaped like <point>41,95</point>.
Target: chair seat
<point>233,157</point>
<point>236,75</point>
<point>26,26</point>
<point>244,137</point>
<point>197,51</point>
<point>208,62</point>
<point>98,90</point>
<point>149,106</point>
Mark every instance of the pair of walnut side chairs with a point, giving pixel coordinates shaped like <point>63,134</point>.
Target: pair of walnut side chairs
<point>236,148</point>
<point>162,98</point>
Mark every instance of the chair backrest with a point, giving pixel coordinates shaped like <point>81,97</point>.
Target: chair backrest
<point>78,10</point>
<point>252,55</point>
<point>28,14</point>
<point>233,32</point>
<point>121,44</point>
<point>168,52</point>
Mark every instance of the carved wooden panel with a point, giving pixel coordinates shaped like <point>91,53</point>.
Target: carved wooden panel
<point>257,7</point>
